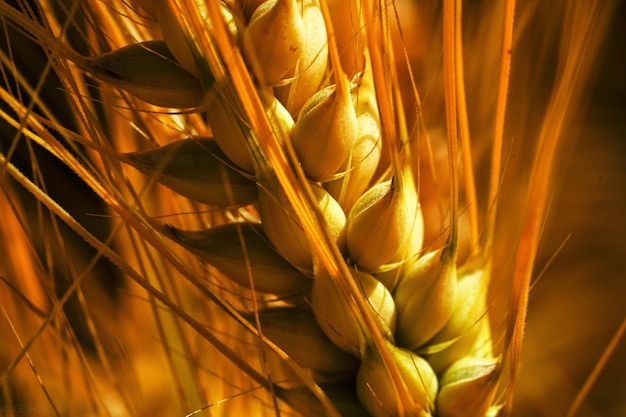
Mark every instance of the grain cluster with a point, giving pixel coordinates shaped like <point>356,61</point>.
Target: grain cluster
<point>414,338</point>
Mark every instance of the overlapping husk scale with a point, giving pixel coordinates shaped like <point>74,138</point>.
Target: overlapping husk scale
<point>394,327</point>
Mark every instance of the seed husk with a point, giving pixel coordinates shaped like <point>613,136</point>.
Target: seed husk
<point>358,170</point>
<point>376,391</point>
<point>273,40</point>
<point>310,71</point>
<point>468,387</point>
<point>325,132</point>
<point>229,131</point>
<point>233,135</point>
<point>382,223</point>
<point>149,71</point>
<point>425,297</point>
<point>468,322</point>
<point>283,227</point>
<point>336,317</point>
<point>181,41</point>
<point>221,247</point>
<point>297,333</point>
<point>197,169</point>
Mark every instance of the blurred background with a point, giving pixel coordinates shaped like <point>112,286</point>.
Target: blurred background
<point>578,304</point>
